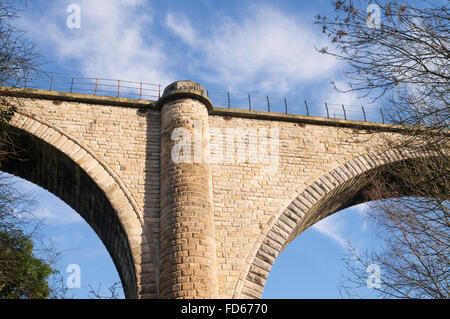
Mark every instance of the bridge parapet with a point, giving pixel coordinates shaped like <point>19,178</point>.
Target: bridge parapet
<point>140,91</point>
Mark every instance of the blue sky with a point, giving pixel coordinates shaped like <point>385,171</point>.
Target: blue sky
<point>240,46</point>
<point>310,267</point>
<point>262,47</point>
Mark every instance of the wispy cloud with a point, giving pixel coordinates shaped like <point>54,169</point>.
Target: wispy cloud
<point>361,209</point>
<point>347,227</point>
<point>180,25</point>
<point>50,209</point>
<point>347,98</point>
<point>334,228</point>
<point>267,50</point>
<point>115,39</point>
<point>57,215</point>
<point>264,50</point>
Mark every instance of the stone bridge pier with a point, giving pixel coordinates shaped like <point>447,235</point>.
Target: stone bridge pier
<point>189,199</point>
<point>187,240</point>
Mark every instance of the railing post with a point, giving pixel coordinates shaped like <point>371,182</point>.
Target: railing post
<point>249,103</point>
<point>285,106</point>
<point>328,113</point>
<point>159,90</point>
<point>71,86</point>
<point>345,113</point>
<point>140,90</point>
<point>229,102</point>
<point>364,112</point>
<point>95,91</point>
<point>51,83</point>
<point>382,115</point>
<point>207,93</point>
<point>26,80</point>
<point>399,117</point>
<point>118,88</point>
<point>268,103</point>
<point>307,110</point>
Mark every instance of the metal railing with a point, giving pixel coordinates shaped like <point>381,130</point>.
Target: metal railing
<point>148,91</point>
<point>296,106</point>
<point>94,86</point>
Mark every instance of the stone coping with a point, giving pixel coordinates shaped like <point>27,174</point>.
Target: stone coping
<point>75,97</point>
<point>213,110</point>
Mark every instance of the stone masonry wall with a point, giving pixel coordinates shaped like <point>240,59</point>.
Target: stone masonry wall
<point>187,254</point>
<point>127,142</point>
<point>246,196</point>
<point>227,205</point>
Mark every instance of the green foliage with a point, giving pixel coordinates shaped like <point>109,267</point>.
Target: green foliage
<point>22,274</point>
<point>7,112</point>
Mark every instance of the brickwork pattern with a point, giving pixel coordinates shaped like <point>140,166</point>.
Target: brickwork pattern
<point>207,229</point>
<point>188,261</point>
<point>92,138</point>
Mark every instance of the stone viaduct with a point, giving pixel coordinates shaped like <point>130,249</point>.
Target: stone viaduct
<point>202,224</point>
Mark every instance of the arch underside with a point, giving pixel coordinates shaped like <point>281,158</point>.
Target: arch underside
<point>340,188</point>
<point>48,167</point>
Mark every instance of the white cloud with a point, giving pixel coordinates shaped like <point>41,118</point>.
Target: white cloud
<point>268,50</point>
<point>336,99</point>
<point>351,100</point>
<point>21,185</point>
<point>346,98</point>
<point>181,27</point>
<point>115,40</point>
<point>333,227</point>
<point>67,239</point>
<point>361,209</point>
<point>50,209</point>
<point>57,215</point>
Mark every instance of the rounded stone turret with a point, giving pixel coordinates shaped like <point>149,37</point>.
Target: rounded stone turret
<point>187,244</point>
<point>182,90</point>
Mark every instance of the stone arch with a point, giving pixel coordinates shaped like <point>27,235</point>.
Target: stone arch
<point>319,197</point>
<point>66,167</point>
